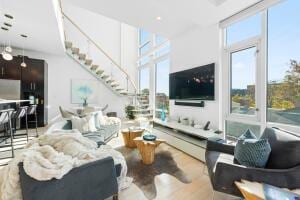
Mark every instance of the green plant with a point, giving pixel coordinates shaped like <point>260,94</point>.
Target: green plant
<point>129,112</point>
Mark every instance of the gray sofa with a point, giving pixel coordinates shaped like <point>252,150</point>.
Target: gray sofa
<point>282,170</point>
<point>93,181</point>
<point>101,136</point>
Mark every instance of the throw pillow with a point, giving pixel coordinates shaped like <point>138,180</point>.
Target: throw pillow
<point>252,152</point>
<point>85,124</point>
<point>98,118</point>
<point>247,135</point>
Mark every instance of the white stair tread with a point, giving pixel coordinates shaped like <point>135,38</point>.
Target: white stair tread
<point>75,50</point>
<point>94,67</point>
<point>142,110</point>
<point>88,61</point>
<point>104,76</point>
<point>144,115</point>
<point>68,44</point>
<point>81,56</point>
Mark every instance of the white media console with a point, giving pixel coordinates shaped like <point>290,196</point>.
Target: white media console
<point>185,138</point>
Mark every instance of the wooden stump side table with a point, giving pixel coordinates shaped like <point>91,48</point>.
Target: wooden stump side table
<point>147,149</point>
<point>129,135</point>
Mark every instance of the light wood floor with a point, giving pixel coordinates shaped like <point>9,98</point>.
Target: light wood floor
<point>169,188</point>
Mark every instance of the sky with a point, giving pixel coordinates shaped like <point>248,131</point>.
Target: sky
<point>283,43</point>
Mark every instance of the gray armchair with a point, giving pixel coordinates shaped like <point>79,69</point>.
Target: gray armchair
<point>282,170</point>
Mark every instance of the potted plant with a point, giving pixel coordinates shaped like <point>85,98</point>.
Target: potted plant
<point>129,112</point>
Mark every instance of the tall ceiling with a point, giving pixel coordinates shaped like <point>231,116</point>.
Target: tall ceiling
<point>34,18</point>
<point>37,18</point>
<point>177,16</point>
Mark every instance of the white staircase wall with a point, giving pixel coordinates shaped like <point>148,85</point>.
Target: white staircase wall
<point>119,40</point>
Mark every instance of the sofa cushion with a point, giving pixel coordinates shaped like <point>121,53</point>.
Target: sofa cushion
<point>213,157</point>
<point>98,118</point>
<point>85,124</point>
<point>285,148</point>
<point>252,152</point>
<point>99,139</point>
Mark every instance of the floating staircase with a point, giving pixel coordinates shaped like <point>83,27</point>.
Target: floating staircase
<point>142,109</point>
<point>120,87</point>
<point>94,69</point>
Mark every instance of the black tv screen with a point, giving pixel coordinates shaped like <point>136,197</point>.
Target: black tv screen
<point>193,84</point>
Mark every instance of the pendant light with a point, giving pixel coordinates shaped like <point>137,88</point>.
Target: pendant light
<point>6,53</point>
<point>23,64</point>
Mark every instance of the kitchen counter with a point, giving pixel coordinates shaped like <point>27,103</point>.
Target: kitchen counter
<point>4,101</point>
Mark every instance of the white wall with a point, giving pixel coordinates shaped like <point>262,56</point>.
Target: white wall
<point>119,40</point>
<point>195,48</point>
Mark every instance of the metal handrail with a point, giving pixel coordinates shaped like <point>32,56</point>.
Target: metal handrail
<point>99,48</point>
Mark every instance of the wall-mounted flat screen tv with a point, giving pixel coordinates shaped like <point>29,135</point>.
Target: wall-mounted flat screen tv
<point>193,84</point>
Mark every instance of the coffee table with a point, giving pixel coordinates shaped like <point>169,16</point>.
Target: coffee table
<point>147,149</point>
<point>261,191</point>
<point>129,134</point>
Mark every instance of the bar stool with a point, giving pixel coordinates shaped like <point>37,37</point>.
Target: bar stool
<point>5,120</point>
<point>16,115</point>
<point>32,111</point>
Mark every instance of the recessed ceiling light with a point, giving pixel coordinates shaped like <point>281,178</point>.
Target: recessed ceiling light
<point>24,36</point>
<point>8,16</point>
<point>158,18</point>
<point>4,28</point>
<point>7,24</point>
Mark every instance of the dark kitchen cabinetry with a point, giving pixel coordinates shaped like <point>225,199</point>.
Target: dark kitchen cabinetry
<point>34,87</point>
<point>9,69</point>
<point>34,84</point>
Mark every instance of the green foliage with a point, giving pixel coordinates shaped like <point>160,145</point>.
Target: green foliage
<point>285,94</point>
<point>145,91</point>
<point>129,112</point>
<point>244,100</point>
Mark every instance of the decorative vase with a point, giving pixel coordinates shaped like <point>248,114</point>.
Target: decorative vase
<point>85,104</point>
<point>163,114</point>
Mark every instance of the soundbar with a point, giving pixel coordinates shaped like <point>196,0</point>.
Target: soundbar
<point>193,104</point>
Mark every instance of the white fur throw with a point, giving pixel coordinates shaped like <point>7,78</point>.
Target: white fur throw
<point>53,156</point>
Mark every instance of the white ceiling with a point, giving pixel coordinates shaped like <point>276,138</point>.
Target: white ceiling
<point>177,16</point>
<point>35,18</point>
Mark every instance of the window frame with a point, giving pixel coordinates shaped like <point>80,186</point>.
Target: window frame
<point>262,73</point>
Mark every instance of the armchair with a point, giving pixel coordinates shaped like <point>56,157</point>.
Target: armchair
<point>282,170</point>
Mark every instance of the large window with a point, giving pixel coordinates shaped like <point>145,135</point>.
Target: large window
<point>283,98</point>
<point>262,56</point>
<point>144,80</point>
<point>162,87</point>
<point>242,30</point>
<point>243,73</point>
<point>154,68</point>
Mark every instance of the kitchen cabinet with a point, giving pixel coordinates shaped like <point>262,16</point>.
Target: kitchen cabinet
<point>10,69</point>
<point>34,84</point>
<point>34,87</point>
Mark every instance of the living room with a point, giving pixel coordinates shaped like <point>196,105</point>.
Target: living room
<point>149,99</point>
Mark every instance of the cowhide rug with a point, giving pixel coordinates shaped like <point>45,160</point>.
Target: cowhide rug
<point>143,175</point>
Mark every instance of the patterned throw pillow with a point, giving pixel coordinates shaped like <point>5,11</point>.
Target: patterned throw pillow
<point>247,135</point>
<point>252,152</point>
